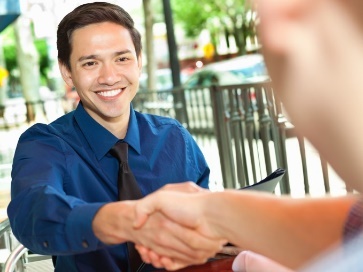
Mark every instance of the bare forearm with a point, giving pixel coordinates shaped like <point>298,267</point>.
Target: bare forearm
<point>290,231</point>
<point>112,224</point>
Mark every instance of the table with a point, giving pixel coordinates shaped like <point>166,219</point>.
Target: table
<point>217,265</point>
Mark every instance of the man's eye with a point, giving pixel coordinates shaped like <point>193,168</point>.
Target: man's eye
<point>123,59</point>
<point>89,63</point>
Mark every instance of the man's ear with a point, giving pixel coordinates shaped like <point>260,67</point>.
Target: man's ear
<point>66,74</point>
<point>139,63</point>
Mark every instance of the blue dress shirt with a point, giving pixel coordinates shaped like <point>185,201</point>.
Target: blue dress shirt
<point>63,174</point>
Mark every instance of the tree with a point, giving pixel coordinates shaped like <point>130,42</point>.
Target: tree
<point>10,56</point>
<point>192,15</point>
<point>226,16</point>
<point>27,59</point>
<point>149,23</point>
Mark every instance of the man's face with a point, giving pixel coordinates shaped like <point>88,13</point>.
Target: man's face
<point>105,70</point>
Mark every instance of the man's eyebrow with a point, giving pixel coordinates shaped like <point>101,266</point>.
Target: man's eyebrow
<point>87,57</point>
<point>96,56</point>
<point>123,52</point>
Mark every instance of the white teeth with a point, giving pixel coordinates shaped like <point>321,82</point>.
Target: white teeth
<point>110,93</point>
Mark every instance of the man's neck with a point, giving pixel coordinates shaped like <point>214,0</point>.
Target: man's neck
<point>116,125</point>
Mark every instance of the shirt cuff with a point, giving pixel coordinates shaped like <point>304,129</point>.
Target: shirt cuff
<point>79,230</point>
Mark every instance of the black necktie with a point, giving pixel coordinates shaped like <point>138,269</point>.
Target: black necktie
<point>128,189</point>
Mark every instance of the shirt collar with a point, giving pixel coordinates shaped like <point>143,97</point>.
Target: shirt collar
<point>133,133</point>
<point>99,138</point>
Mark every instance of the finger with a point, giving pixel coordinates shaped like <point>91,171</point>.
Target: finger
<point>253,262</point>
<point>191,241</point>
<point>140,218</point>
<point>181,243</point>
<point>167,262</point>
<point>150,257</point>
<point>172,265</point>
<point>144,207</point>
<point>198,240</point>
<point>155,259</point>
<point>186,187</point>
<point>144,253</point>
<point>160,201</point>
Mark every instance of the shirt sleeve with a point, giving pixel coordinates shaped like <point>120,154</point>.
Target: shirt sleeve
<point>354,223</point>
<point>42,216</point>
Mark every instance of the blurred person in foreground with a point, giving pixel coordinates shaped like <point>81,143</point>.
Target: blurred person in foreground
<point>314,53</point>
<point>64,178</point>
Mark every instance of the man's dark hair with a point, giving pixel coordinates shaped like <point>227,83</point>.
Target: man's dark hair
<point>92,13</point>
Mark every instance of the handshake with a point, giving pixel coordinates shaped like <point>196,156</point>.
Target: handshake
<point>182,224</point>
<point>173,227</point>
<point>185,235</point>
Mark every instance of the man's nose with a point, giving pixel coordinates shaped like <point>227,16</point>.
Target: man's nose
<point>109,74</point>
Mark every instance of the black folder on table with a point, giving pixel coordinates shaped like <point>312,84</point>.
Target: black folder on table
<point>269,183</point>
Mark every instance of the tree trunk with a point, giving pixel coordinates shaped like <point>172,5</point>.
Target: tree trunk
<point>149,44</point>
<point>27,58</point>
<point>3,82</point>
<point>239,36</point>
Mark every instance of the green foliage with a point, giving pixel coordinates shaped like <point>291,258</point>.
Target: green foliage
<point>9,47</point>
<point>192,15</point>
<point>44,63</point>
<point>218,16</point>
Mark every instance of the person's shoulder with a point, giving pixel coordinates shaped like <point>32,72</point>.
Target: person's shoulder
<point>41,130</point>
<point>157,120</point>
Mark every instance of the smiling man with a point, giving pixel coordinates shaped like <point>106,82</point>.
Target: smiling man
<point>64,178</point>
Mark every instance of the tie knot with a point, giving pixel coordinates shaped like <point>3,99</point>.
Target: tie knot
<point>119,151</point>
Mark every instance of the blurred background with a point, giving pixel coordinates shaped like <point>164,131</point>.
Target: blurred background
<point>178,37</point>
<point>202,66</point>
<point>175,33</point>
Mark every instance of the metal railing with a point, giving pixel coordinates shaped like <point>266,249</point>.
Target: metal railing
<point>4,227</point>
<point>246,121</point>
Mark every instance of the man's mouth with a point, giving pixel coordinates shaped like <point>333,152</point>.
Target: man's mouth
<point>110,93</point>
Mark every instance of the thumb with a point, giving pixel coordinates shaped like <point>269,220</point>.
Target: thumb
<point>143,208</point>
<point>140,220</point>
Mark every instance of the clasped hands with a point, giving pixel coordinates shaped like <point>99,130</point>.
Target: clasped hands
<point>168,227</point>
<point>185,237</point>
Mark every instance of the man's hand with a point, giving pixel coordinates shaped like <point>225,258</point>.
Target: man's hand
<point>149,256</point>
<point>172,241</point>
<point>178,244</point>
<point>183,204</point>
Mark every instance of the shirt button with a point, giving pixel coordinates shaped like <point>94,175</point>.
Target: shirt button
<point>45,244</point>
<point>85,244</point>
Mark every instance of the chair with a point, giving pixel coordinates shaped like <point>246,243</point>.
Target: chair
<point>22,253</point>
<point>13,258</point>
